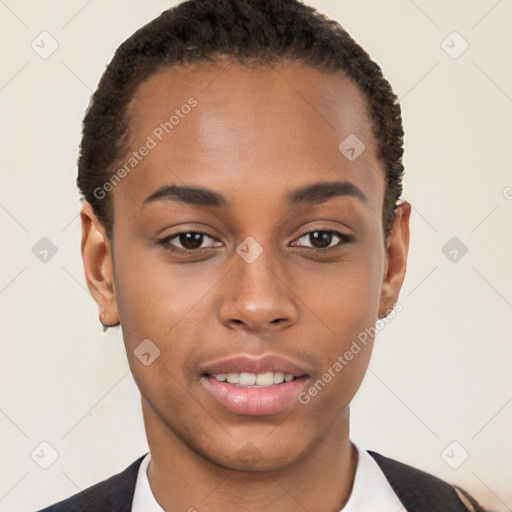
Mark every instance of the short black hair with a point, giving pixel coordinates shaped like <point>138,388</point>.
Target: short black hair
<point>262,31</point>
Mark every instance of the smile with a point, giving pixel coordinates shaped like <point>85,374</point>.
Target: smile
<point>254,380</point>
<point>255,386</point>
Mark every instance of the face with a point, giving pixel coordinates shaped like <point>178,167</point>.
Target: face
<point>247,247</point>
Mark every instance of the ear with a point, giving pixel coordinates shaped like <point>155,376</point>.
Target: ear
<point>98,267</point>
<point>397,248</point>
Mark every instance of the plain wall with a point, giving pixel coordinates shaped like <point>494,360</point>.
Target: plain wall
<point>440,372</point>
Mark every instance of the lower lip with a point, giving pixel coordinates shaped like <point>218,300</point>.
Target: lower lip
<point>254,401</point>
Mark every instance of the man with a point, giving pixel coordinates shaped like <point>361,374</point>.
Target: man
<point>241,169</point>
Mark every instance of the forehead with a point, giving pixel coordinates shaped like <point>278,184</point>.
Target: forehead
<point>269,127</point>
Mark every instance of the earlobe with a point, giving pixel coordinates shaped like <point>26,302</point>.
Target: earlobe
<point>396,259</point>
<point>97,260</point>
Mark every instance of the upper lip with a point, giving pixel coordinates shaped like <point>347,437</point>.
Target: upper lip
<point>257,365</point>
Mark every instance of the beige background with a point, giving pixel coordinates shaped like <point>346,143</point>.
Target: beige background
<point>441,369</point>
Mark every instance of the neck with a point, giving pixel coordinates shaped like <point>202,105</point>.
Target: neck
<point>182,479</point>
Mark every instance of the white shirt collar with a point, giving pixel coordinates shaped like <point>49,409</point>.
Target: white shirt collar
<point>371,490</point>
<point>143,499</point>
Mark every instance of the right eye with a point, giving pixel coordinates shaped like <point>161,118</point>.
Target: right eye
<point>189,241</point>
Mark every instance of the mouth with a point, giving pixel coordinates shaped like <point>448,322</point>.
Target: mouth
<point>255,387</point>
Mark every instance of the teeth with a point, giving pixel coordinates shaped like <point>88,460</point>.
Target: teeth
<point>252,379</point>
<point>233,378</point>
<point>265,379</point>
<point>278,377</point>
<point>247,379</point>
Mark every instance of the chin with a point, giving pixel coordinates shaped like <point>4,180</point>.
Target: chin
<point>256,453</point>
<point>252,460</point>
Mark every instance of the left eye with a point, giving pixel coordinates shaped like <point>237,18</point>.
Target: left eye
<point>189,240</point>
<point>322,239</point>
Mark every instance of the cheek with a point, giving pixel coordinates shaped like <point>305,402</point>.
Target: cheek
<point>154,296</point>
<point>165,304</point>
<point>343,299</point>
<point>344,315</point>
<point>342,334</point>
<point>344,307</point>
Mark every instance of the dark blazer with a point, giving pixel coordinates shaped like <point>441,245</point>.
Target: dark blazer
<point>418,491</point>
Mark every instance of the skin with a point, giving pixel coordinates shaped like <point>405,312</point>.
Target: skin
<point>255,134</point>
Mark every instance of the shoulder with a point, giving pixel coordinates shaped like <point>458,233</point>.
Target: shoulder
<point>114,493</point>
<point>419,490</point>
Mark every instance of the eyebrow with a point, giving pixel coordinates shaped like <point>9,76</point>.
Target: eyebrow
<point>311,194</point>
<point>190,195</point>
<point>323,191</point>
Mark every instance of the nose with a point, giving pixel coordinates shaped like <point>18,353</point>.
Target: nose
<point>256,296</point>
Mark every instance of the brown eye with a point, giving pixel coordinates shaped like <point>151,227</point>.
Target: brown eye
<point>191,240</point>
<point>188,241</point>
<point>322,239</point>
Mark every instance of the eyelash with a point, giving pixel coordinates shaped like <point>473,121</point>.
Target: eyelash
<point>344,239</point>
